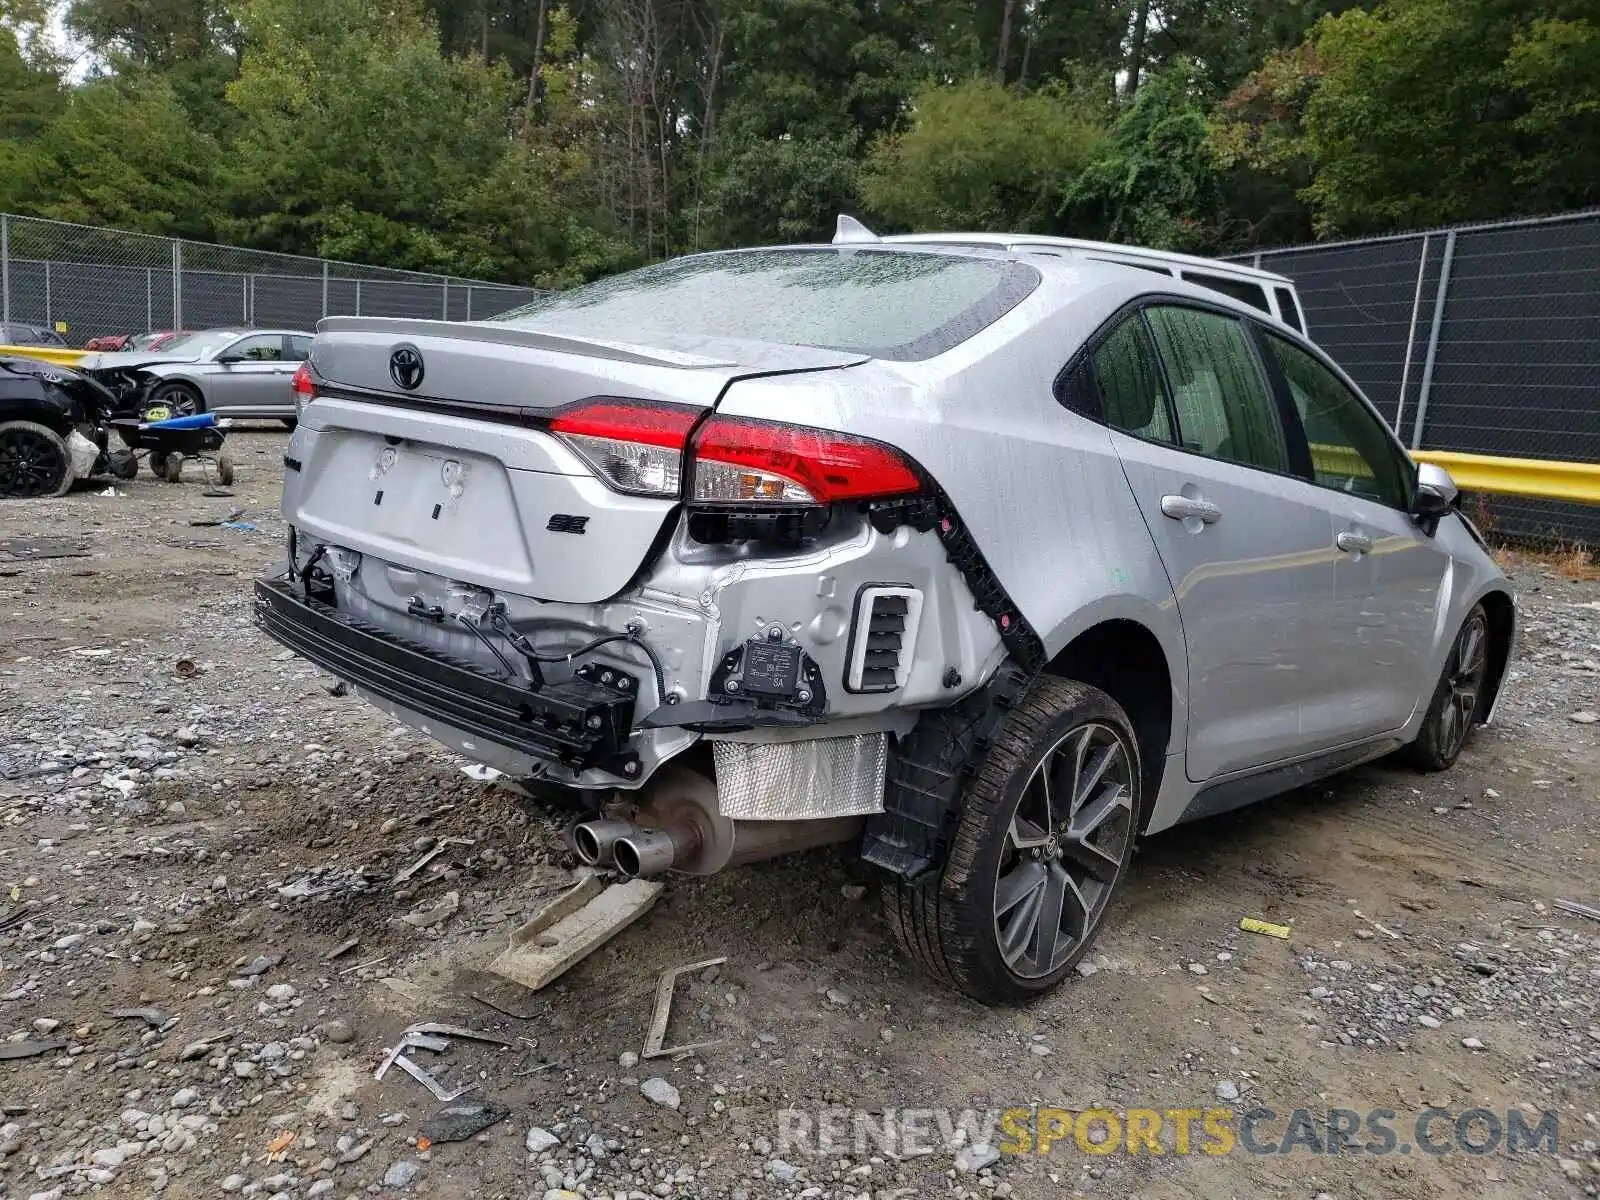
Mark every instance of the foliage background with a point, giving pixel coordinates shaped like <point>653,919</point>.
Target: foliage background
<point>543,142</point>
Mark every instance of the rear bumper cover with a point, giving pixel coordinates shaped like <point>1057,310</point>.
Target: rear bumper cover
<point>575,722</point>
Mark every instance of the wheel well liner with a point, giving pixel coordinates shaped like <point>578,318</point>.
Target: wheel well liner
<point>1500,610</point>
<point>1123,659</point>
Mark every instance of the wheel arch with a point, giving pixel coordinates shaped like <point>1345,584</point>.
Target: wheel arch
<point>1125,659</point>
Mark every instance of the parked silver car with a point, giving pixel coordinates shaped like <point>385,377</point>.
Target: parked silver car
<point>990,559</point>
<point>235,372</point>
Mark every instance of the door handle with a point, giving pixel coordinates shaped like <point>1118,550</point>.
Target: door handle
<point>1353,543</point>
<point>1182,508</point>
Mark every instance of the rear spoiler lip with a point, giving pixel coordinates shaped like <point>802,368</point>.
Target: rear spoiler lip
<point>509,335</point>
<point>749,357</point>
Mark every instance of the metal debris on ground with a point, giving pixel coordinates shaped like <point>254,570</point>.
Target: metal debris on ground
<point>663,1011</point>
<point>23,549</point>
<point>433,852</point>
<point>445,907</point>
<point>185,668</point>
<point>435,1036</point>
<point>459,1031</point>
<point>1252,925</point>
<point>10,1050</point>
<point>1577,910</point>
<point>342,949</point>
<point>440,1092</point>
<point>154,1017</point>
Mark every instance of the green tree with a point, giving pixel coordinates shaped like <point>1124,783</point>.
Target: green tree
<point>32,92</point>
<point>1422,112</point>
<point>1153,181</point>
<point>122,153</point>
<point>979,156</point>
<point>359,140</point>
<point>808,84</point>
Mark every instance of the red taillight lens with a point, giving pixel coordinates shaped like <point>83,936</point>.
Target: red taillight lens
<point>738,461</point>
<point>303,386</point>
<point>635,447</point>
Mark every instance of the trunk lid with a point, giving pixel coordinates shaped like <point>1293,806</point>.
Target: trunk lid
<point>455,477</point>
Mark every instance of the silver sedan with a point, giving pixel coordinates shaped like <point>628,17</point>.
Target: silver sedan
<point>234,372</point>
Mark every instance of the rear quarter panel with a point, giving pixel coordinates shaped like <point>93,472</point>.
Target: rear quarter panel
<point>1040,488</point>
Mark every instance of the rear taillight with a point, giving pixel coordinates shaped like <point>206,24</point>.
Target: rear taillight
<point>635,447</point>
<point>304,385</point>
<point>743,462</point>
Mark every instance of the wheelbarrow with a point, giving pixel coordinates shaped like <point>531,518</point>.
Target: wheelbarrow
<point>172,441</point>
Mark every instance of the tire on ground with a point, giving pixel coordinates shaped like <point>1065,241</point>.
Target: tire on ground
<point>45,449</point>
<point>1439,743</point>
<point>945,919</point>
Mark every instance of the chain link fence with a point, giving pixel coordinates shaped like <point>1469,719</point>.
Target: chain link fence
<point>1481,338</point>
<point>108,281</point>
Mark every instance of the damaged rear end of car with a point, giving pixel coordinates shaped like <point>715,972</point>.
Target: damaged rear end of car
<point>547,549</point>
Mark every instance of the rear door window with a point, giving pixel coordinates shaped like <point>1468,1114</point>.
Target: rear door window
<point>1252,294</point>
<point>299,348</point>
<point>1128,378</point>
<point>1223,402</point>
<point>894,304</point>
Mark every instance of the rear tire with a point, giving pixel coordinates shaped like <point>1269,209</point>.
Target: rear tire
<point>158,464</point>
<point>1046,834</point>
<point>173,471</point>
<point>224,470</point>
<point>1453,711</point>
<point>34,461</point>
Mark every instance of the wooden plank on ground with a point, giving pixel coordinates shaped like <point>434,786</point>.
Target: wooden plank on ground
<point>546,947</point>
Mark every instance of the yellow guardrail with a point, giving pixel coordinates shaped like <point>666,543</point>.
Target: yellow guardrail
<point>1540,477</point>
<point>1518,476</point>
<point>59,355</point>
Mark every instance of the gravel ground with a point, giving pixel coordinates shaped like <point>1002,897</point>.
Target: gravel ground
<point>202,936</point>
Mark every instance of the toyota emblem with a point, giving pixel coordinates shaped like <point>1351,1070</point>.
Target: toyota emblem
<point>405,367</point>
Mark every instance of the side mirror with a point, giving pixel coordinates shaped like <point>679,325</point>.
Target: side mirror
<point>1436,495</point>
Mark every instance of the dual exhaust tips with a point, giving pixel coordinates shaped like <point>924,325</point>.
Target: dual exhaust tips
<point>637,852</point>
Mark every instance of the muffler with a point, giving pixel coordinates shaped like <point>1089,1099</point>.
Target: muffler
<point>595,841</point>
<point>679,828</point>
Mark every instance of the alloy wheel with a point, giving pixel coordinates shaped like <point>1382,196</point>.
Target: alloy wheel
<point>30,464</point>
<point>1464,678</point>
<point>1064,848</point>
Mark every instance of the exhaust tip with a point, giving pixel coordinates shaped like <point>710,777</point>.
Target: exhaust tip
<point>595,841</point>
<point>626,859</point>
<point>586,844</point>
<point>644,853</point>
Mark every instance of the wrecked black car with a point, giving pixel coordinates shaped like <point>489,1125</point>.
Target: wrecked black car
<point>53,429</point>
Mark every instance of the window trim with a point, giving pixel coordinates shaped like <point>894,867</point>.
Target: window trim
<point>1280,384</point>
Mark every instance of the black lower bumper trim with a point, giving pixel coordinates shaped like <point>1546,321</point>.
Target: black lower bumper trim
<point>574,722</point>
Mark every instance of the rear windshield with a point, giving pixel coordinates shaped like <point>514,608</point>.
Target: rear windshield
<point>885,303</point>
